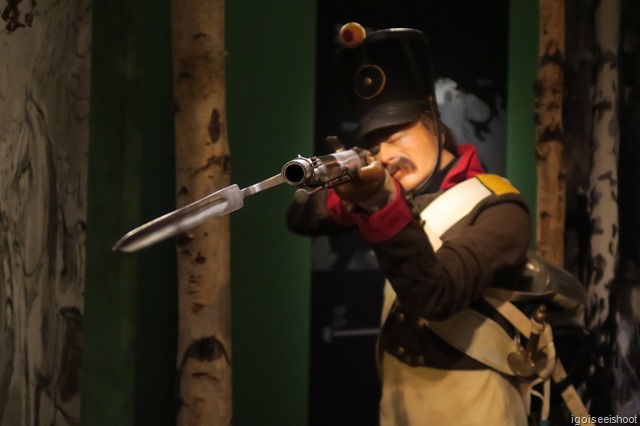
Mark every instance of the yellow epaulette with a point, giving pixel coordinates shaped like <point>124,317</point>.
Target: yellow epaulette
<point>497,184</point>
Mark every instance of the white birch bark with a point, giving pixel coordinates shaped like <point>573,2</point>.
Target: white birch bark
<point>202,166</point>
<point>603,189</point>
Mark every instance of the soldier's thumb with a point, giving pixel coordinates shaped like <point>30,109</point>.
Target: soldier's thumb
<point>371,173</point>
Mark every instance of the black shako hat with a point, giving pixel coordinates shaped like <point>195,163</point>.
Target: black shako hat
<point>388,75</point>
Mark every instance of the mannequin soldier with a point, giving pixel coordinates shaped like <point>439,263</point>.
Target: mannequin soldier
<point>425,380</point>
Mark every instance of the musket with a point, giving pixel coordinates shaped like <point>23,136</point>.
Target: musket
<point>309,174</point>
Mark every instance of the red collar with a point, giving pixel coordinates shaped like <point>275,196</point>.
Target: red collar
<point>465,168</point>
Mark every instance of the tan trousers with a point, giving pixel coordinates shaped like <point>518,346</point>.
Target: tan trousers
<point>423,396</point>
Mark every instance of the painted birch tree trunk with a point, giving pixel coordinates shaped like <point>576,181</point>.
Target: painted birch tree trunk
<point>603,187</point>
<point>44,135</point>
<point>550,137</point>
<point>202,166</point>
<point>602,206</point>
<point>603,197</point>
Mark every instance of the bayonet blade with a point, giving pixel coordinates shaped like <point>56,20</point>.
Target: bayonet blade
<point>219,203</point>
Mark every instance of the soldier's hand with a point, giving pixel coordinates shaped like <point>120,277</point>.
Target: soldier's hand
<point>371,189</point>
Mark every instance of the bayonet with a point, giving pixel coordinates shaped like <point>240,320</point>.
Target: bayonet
<point>310,174</point>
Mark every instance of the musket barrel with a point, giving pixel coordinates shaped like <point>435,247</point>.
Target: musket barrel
<point>325,169</point>
<point>298,171</point>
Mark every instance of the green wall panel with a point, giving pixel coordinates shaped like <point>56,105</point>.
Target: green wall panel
<point>270,101</point>
<point>130,324</point>
<point>130,315</point>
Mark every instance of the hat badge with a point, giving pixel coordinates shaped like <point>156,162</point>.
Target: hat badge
<point>369,81</point>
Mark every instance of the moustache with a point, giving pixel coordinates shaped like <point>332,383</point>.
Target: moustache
<point>400,162</point>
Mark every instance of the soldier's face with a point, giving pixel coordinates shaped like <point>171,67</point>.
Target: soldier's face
<point>408,152</point>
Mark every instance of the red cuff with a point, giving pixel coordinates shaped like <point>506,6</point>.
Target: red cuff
<point>337,210</point>
<point>387,222</point>
<point>376,227</point>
